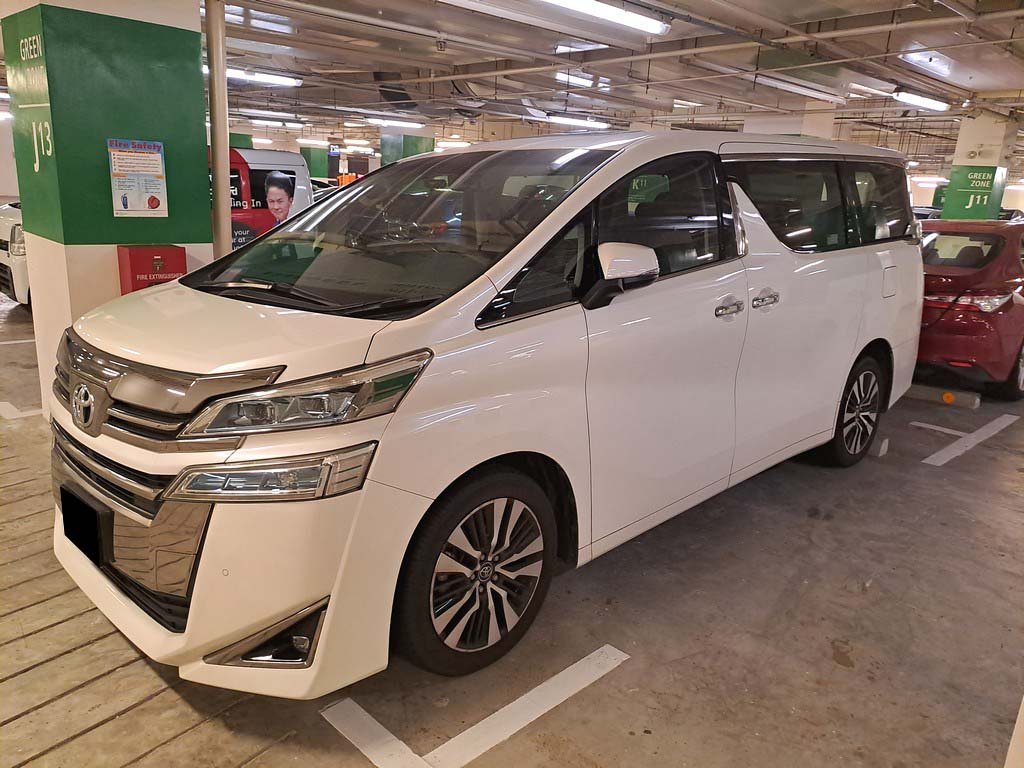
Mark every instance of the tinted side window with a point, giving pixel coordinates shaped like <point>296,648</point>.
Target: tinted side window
<point>670,205</point>
<point>801,200</point>
<point>554,277</point>
<point>882,200</point>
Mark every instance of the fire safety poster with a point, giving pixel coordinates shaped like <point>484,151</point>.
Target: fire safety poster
<point>138,183</point>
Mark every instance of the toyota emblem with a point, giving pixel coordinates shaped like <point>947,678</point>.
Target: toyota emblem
<point>83,406</point>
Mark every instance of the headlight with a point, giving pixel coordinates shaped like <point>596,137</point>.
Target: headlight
<point>341,397</point>
<point>16,247</point>
<point>304,477</point>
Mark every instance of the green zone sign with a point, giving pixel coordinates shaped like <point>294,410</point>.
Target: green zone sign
<point>33,124</point>
<point>974,192</point>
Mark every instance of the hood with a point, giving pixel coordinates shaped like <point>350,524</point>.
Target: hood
<point>175,327</point>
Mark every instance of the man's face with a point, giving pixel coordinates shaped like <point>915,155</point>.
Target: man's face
<point>279,203</point>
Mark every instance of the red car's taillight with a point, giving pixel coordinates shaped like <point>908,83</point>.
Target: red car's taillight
<point>972,302</point>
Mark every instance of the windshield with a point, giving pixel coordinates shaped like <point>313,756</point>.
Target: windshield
<point>405,237</point>
<point>967,250</point>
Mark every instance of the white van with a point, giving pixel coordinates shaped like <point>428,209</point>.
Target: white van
<point>13,261</point>
<point>389,421</point>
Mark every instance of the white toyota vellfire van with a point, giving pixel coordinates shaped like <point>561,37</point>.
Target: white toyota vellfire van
<point>386,423</point>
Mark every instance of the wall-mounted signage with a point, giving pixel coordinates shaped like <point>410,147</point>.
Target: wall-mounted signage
<point>138,183</point>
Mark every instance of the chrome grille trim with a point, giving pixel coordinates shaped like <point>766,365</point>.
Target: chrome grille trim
<point>135,491</point>
<point>152,561</point>
<point>145,405</point>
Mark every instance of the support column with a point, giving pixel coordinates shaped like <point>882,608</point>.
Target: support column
<point>984,147</point>
<point>817,119</point>
<point>404,142</point>
<point>82,73</point>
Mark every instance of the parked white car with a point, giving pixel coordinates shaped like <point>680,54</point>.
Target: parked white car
<point>408,406</point>
<point>13,262</point>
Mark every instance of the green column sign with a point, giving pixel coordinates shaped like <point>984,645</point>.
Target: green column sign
<point>142,82</point>
<point>974,192</point>
<point>33,125</point>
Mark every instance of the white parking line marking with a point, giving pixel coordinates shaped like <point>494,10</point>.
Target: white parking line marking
<point>1015,755</point>
<point>937,428</point>
<point>385,750</point>
<point>19,341</point>
<point>965,443</point>
<point>8,411</point>
<point>493,730</point>
<point>381,747</point>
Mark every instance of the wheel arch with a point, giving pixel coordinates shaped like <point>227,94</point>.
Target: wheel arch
<point>881,351</point>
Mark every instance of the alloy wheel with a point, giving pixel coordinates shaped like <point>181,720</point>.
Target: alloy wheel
<point>486,574</point>
<point>860,412</point>
<point>1020,370</point>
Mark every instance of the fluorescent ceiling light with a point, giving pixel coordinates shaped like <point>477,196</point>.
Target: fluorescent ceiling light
<point>456,135</point>
<point>359,150</point>
<point>6,116</point>
<point>797,88</point>
<point>564,120</point>
<point>453,144</point>
<point>360,142</point>
<point>683,104</point>
<point>393,123</point>
<point>353,125</point>
<point>926,179</point>
<point>1014,187</point>
<point>294,125</point>
<point>614,14</point>
<point>4,95</point>
<point>581,80</point>
<point>267,123</point>
<point>266,112</point>
<point>266,78</point>
<point>578,47</point>
<point>913,163</point>
<point>867,89</point>
<point>920,101</point>
<point>258,140</point>
<point>312,142</point>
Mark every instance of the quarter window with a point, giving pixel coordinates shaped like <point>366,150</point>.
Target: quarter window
<point>881,199</point>
<point>553,278</point>
<point>670,205</point>
<point>800,200</point>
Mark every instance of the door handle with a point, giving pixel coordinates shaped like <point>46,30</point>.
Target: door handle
<point>724,310</point>
<point>764,301</point>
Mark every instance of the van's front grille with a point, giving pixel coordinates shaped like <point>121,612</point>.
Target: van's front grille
<point>136,490</point>
<point>6,280</point>
<point>142,404</point>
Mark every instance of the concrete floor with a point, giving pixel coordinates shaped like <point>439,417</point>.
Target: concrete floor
<point>809,617</point>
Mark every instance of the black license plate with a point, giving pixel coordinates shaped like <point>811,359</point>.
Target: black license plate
<point>87,527</point>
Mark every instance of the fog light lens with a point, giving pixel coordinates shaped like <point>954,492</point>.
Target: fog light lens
<point>304,477</point>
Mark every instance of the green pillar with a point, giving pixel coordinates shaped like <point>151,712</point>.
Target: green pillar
<point>240,140</point>
<point>94,96</point>
<point>316,161</point>
<point>395,146</point>
<point>984,147</point>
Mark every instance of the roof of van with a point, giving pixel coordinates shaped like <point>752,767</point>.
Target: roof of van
<point>725,142</point>
<point>269,157</point>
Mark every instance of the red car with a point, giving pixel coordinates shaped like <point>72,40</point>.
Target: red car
<point>973,319</point>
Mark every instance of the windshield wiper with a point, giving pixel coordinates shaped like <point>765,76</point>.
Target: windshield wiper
<point>387,304</point>
<point>276,289</point>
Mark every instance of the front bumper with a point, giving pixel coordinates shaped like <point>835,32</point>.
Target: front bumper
<point>254,565</point>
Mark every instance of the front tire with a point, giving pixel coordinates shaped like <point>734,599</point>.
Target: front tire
<point>859,412</point>
<point>476,574</point>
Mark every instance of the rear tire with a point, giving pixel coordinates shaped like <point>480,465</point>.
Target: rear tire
<point>1013,387</point>
<point>860,410</point>
<point>476,574</point>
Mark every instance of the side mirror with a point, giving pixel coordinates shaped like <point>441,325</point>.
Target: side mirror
<point>623,266</point>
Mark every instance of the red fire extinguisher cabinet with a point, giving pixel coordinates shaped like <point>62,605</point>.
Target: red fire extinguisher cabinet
<point>141,266</point>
